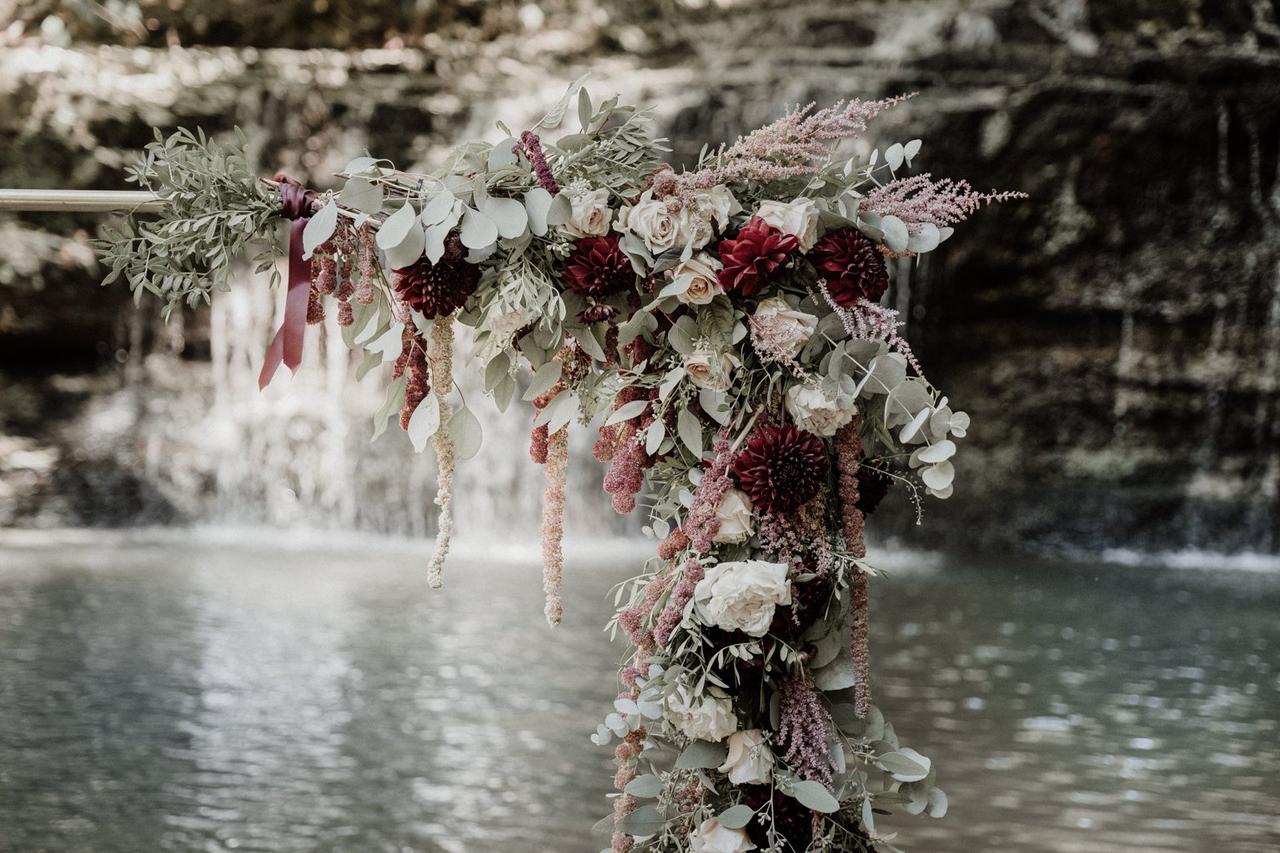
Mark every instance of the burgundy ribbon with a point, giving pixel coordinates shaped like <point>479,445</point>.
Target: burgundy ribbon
<point>286,346</point>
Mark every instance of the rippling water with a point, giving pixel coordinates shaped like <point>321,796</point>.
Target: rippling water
<point>239,697</point>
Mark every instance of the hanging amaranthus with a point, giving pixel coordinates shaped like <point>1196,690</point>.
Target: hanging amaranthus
<point>848,461</point>
<point>556,470</point>
<point>441,360</point>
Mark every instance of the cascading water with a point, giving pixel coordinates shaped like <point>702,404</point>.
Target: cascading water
<point>298,454</point>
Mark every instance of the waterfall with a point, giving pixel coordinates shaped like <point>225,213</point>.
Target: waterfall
<point>298,454</point>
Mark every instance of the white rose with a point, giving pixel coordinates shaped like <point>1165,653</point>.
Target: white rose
<point>799,217</point>
<point>713,837</point>
<point>590,215</point>
<point>814,410</point>
<point>781,330</point>
<point>710,209</point>
<point>750,761</point>
<point>705,717</point>
<point>741,596</point>
<point>717,205</point>
<point>695,230</point>
<point>707,369</point>
<point>734,513</point>
<point>649,220</point>
<point>704,284</point>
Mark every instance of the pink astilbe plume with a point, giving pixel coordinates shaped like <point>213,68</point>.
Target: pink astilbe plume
<point>795,145</point>
<point>923,199</point>
<point>853,528</point>
<point>702,524</point>
<point>673,613</point>
<point>804,731</point>
<point>870,321</point>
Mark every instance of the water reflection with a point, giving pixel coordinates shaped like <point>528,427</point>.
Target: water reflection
<point>237,698</point>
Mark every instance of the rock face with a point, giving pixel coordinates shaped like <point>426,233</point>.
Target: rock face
<point>1116,339</point>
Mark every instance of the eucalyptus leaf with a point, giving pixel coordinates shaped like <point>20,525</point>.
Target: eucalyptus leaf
<point>389,343</point>
<point>537,203</point>
<point>702,754</point>
<point>502,154</point>
<point>653,438</point>
<point>642,822</point>
<point>478,231</point>
<point>508,215</point>
<point>627,411</point>
<point>362,195</point>
<point>396,228</point>
<point>408,251</point>
<point>894,155</point>
<point>839,674</point>
<point>360,164</point>
<point>393,404</point>
<point>736,817</point>
<point>465,433</point>
<point>319,228</point>
<point>441,205</point>
<point>895,231</point>
<point>937,803</point>
<point>424,422</point>
<point>560,210</point>
<point>814,795</point>
<point>690,430</point>
<point>647,785</point>
<point>905,765</point>
<point>544,378</point>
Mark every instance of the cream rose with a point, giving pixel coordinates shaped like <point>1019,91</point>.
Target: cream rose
<point>717,205</point>
<point>710,209</point>
<point>590,215</point>
<point>649,220</point>
<point>816,411</point>
<point>705,717</point>
<point>741,596</point>
<point>713,837</point>
<point>734,514</point>
<point>780,330</point>
<point>750,761</point>
<point>799,218</point>
<point>703,284</point>
<point>707,369</point>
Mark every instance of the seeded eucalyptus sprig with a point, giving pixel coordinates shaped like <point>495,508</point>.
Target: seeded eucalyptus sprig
<point>216,209</point>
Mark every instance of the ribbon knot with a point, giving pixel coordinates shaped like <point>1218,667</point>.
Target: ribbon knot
<point>296,202</point>
<point>295,199</point>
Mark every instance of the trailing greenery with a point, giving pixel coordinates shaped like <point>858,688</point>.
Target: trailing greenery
<point>216,210</point>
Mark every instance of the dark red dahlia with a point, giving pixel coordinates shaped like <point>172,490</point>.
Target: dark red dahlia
<point>599,267</point>
<point>852,265</point>
<point>753,256</point>
<point>781,468</point>
<point>441,288</point>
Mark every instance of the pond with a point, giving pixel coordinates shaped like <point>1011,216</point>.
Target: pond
<point>244,694</point>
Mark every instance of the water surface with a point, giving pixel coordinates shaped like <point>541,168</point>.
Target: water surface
<point>231,696</point>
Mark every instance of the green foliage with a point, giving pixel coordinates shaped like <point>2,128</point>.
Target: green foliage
<point>215,210</point>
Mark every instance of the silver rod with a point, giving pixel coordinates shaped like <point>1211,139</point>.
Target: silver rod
<point>80,201</point>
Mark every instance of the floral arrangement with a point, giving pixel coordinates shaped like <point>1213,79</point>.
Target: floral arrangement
<point>724,327</point>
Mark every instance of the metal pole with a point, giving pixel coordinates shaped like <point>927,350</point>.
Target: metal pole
<point>80,201</point>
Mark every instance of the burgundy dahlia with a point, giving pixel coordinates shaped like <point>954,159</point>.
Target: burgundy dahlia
<point>781,468</point>
<point>438,289</point>
<point>753,256</point>
<point>852,265</point>
<point>599,267</point>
